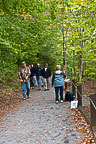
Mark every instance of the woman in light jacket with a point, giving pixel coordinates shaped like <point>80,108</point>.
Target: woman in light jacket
<point>58,82</point>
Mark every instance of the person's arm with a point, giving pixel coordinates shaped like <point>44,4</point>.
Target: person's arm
<point>41,72</point>
<point>53,79</point>
<point>64,75</point>
<point>20,75</point>
<point>49,73</point>
<point>35,71</point>
<point>31,72</point>
<point>28,73</point>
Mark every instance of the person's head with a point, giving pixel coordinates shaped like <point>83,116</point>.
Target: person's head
<point>57,67</point>
<point>38,65</point>
<point>46,65</point>
<point>32,65</point>
<point>23,64</point>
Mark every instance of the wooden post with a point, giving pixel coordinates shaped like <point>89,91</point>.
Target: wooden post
<point>93,110</point>
<point>79,95</point>
<point>73,87</point>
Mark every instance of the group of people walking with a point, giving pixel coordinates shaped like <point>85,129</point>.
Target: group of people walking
<point>31,77</point>
<point>37,74</point>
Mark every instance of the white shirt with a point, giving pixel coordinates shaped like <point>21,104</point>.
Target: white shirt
<point>45,69</point>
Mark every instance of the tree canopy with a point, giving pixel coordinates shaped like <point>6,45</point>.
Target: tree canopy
<point>48,31</point>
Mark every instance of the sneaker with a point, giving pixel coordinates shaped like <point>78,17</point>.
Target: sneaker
<point>56,102</point>
<point>24,98</point>
<point>61,101</point>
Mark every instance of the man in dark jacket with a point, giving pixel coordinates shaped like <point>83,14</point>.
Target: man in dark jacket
<point>32,76</point>
<point>38,75</point>
<point>46,73</point>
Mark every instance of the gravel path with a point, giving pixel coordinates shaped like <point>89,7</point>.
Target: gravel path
<point>40,121</point>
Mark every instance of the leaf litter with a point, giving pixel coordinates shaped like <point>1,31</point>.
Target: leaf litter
<point>82,127</point>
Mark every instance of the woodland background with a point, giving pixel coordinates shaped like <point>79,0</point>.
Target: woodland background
<point>52,31</point>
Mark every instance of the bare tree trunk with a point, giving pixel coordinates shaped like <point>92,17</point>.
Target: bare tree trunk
<point>80,66</point>
<point>81,59</point>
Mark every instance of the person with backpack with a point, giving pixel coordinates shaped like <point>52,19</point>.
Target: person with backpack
<point>46,73</point>
<point>58,82</point>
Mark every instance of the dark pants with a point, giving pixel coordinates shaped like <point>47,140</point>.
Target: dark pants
<point>32,81</point>
<point>57,93</point>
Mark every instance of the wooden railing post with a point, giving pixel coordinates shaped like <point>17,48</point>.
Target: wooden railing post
<point>93,109</point>
<point>79,95</point>
<point>73,87</point>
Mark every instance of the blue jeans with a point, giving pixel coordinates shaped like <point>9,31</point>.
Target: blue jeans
<point>39,81</point>
<point>25,85</point>
<point>57,92</point>
<point>46,83</point>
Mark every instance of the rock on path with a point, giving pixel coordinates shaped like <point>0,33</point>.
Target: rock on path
<point>40,121</point>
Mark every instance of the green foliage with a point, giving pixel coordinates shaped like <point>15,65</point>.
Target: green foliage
<point>31,30</point>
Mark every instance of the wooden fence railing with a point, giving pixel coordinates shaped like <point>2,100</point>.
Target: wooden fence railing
<point>77,91</point>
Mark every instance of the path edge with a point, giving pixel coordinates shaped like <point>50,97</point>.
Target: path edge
<point>93,128</point>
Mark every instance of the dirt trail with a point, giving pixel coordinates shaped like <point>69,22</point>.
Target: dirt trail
<point>40,121</point>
